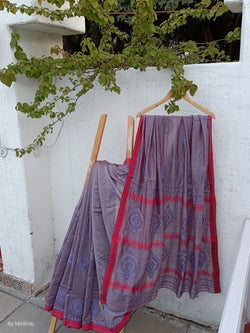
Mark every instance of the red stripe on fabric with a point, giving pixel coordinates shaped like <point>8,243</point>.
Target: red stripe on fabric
<point>139,245</point>
<point>58,314</point>
<point>190,274</point>
<point>213,213</point>
<point>91,326</point>
<point>189,239</point>
<point>159,201</point>
<point>129,288</point>
<point>119,220</point>
<point>143,287</point>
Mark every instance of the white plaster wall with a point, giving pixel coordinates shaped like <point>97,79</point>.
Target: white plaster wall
<point>26,221</point>
<point>223,89</point>
<point>40,23</point>
<point>37,170</point>
<point>14,216</point>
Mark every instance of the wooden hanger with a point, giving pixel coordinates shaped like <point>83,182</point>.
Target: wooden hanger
<point>168,97</point>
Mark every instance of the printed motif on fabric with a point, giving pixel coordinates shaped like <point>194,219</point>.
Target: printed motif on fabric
<point>168,215</point>
<point>95,308</point>
<point>202,258</point>
<point>155,222</point>
<point>128,266</point>
<point>112,191</point>
<point>60,297</point>
<point>82,261</point>
<point>116,298</point>
<point>165,252</point>
<point>153,264</point>
<point>184,140</point>
<point>184,226</point>
<point>135,220</point>
<point>192,260</point>
<point>181,261</point>
<point>76,307</point>
<point>179,286</point>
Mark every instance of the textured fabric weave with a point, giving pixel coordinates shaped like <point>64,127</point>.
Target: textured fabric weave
<point>140,227</point>
<point>165,234</point>
<point>76,284</point>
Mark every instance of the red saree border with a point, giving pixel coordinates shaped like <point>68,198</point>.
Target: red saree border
<point>212,200</point>
<point>91,326</point>
<point>119,220</point>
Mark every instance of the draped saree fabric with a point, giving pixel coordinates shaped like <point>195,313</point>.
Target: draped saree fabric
<point>140,227</point>
<point>75,287</point>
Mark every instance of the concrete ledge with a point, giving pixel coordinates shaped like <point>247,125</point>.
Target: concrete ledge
<point>15,283</point>
<point>71,26</point>
<point>234,5</point>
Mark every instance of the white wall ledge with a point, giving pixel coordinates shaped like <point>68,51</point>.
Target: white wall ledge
<point>234,5</point>
<point>71,26</point>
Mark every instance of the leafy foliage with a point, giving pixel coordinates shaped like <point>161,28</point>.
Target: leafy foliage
<point>143,47</point>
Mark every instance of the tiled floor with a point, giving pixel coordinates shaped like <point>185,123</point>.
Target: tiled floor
<point>23,314</point>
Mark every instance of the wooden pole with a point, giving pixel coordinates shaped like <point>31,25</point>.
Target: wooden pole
<point>94,155</point>
<point>97,144</point>
<point>130,137</point>
<point>52,326</point>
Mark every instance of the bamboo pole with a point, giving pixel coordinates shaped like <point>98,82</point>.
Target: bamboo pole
<point>130,137</point>
<point>97,144</point>
<point>94,155</point>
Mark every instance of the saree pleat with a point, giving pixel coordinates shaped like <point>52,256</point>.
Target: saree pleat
<point>139,227</point>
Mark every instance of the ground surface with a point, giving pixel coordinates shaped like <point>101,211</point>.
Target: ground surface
<point>24,314</point>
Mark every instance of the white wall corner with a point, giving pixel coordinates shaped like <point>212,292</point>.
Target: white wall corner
<point>235,6</point>
<point>245,33</point>
<point>70,26</point>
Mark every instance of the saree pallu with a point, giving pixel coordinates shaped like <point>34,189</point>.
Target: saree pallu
<point>141,227</point>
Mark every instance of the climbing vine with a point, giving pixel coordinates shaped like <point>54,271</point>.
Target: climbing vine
<point>142,48</point>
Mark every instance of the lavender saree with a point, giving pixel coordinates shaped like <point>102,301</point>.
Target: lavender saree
<point>141,227</point>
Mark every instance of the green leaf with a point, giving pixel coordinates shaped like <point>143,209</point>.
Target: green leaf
<point>7,77</point>
<point>193,89</point>
<point>14,38</point>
